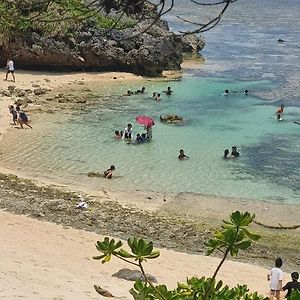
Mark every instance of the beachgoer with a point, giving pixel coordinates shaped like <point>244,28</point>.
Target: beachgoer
<point>138,139</point>
<point>118,135</point>
<point>129,93</point>
<point>127,132</point>
<point>234,152</point>
<point>275,278</point>
<point>23,119</point>
<point>141,91</point>
<point>154,95</point>
<point>246,92</point>
<point>226,93</point>
<point>181,155</point>
<point>144,137</point>
<point>280,109</point>
<point>168,91</point>
<point>10,69</point>
<point>157,98</point>
<point>109,172</point>
<point>149,132</point>
<point>14,114</point>
<point>226,152</point>
<point>292,285</point>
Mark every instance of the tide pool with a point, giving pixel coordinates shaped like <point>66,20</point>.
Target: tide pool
<point>66,149</point>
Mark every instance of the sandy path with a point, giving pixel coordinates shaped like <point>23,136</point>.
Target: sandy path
<point>41,260</point>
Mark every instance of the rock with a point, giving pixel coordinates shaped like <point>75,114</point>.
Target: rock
<point>39,91</point>
<point>133,275</point>
<point>171,119</point>
<point>89,48</point>
<point>280,41</point>
<point>11,88</point>
<point>6,93</point>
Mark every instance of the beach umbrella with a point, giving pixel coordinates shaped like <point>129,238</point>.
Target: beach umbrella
<point>145,120</point>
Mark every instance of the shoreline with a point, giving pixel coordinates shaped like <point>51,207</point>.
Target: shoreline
<point>175,221</point>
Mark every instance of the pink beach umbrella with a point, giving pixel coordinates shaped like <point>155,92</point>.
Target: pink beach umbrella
<point>144,120</point>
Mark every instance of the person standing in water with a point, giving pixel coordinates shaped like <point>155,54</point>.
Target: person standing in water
<point>23,119</point>
<point>109,172</point>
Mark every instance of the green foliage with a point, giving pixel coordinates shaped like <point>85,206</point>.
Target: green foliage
<point>141,250</point>
<point>230,239</point>
<point>295,295</point>
<point>234,235</point>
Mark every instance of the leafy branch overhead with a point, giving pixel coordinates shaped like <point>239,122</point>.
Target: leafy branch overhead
<point>58,16</point>
<point>233,236</point>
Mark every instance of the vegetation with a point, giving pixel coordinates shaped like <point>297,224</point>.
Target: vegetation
<point>232,237</point>
<point>51,17</point>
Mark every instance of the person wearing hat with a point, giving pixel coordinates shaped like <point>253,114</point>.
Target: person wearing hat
<point>292,285</point>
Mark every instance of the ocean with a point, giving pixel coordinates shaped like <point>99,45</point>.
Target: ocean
<point>242,52</point>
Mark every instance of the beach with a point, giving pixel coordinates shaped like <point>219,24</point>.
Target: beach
<point>177,221</point>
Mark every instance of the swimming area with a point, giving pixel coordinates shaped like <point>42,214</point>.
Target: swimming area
<point>67,148</point>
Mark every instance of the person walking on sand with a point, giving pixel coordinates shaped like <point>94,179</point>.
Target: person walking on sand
<point>10,69</point>
<point>292,285</point>
<point>14,114</point>
<point>275,278</point>
<point>23,119</point>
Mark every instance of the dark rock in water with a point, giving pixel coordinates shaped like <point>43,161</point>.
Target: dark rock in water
<point>280,41</point>
<point>133,275</point>
<point>171,119</point>
<point>92,49</point>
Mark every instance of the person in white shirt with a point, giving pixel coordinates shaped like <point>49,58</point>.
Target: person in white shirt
<point>10,69</point>
<point>127,132</point>
<point>275,278</point>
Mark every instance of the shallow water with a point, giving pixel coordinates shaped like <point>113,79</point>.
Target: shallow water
<point>241,53</point>
<point>267,169</point>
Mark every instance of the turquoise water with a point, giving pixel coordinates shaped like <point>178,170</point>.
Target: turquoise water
<point>241,53</point>
<point>268,168</point>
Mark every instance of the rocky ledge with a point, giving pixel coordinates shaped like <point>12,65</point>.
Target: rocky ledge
<point>91,49</point>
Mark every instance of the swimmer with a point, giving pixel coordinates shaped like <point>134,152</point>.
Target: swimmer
<point>129,93</point>
<point>109,172</point>
<point>157,98</point>
<point>118,135</point>
<point>181,155</point>
<point>168,91</point>
<point>280,109</point>
<point>154,95</point>
<point>142,91</point>
<point>246,92</point>
<point>234,152</point>
<point>226,93</point>
<point>226,152</point>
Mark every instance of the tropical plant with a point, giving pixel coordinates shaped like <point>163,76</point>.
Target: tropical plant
<point>295,295</point>
<point>230,239</point>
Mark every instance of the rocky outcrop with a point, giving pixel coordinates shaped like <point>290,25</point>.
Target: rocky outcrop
<point>99,50</point>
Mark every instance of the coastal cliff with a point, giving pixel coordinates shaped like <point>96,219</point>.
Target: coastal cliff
<point>91,49</point>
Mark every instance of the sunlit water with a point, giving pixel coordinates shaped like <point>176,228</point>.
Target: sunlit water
<point>66,148</point>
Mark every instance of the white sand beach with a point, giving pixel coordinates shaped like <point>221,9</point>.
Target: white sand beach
<point>40,260</point>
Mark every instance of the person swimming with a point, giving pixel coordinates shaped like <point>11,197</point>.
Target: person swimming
<point>226,152</point>
<point>168,91</point>
<point>246,92</point>
<point>129,93</point>
<point>118,135</point>
<point>181,155</point>
<point>138,139</point>
<point>234,152</point>
<point>157,98</point>
<point>226,93</point>
<point>109,172</point>
<point>141,91</point>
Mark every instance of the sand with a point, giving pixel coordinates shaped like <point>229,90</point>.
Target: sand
<point>40,260</point>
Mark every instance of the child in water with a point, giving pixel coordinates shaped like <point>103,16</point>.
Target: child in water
<point>109,172</point>
<point>181,155</point>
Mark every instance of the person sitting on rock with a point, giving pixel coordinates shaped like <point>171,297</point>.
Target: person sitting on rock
<point>109,172</point>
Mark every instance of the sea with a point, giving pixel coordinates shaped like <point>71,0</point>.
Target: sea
<point>242,52</point>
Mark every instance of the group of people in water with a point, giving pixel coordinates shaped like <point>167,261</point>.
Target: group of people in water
<point>234,153</point>
<point>227,92</point>
<point>19,116</point>
<point>155,95</point>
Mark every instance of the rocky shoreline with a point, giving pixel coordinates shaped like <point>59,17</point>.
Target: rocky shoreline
<point>110,217</point>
